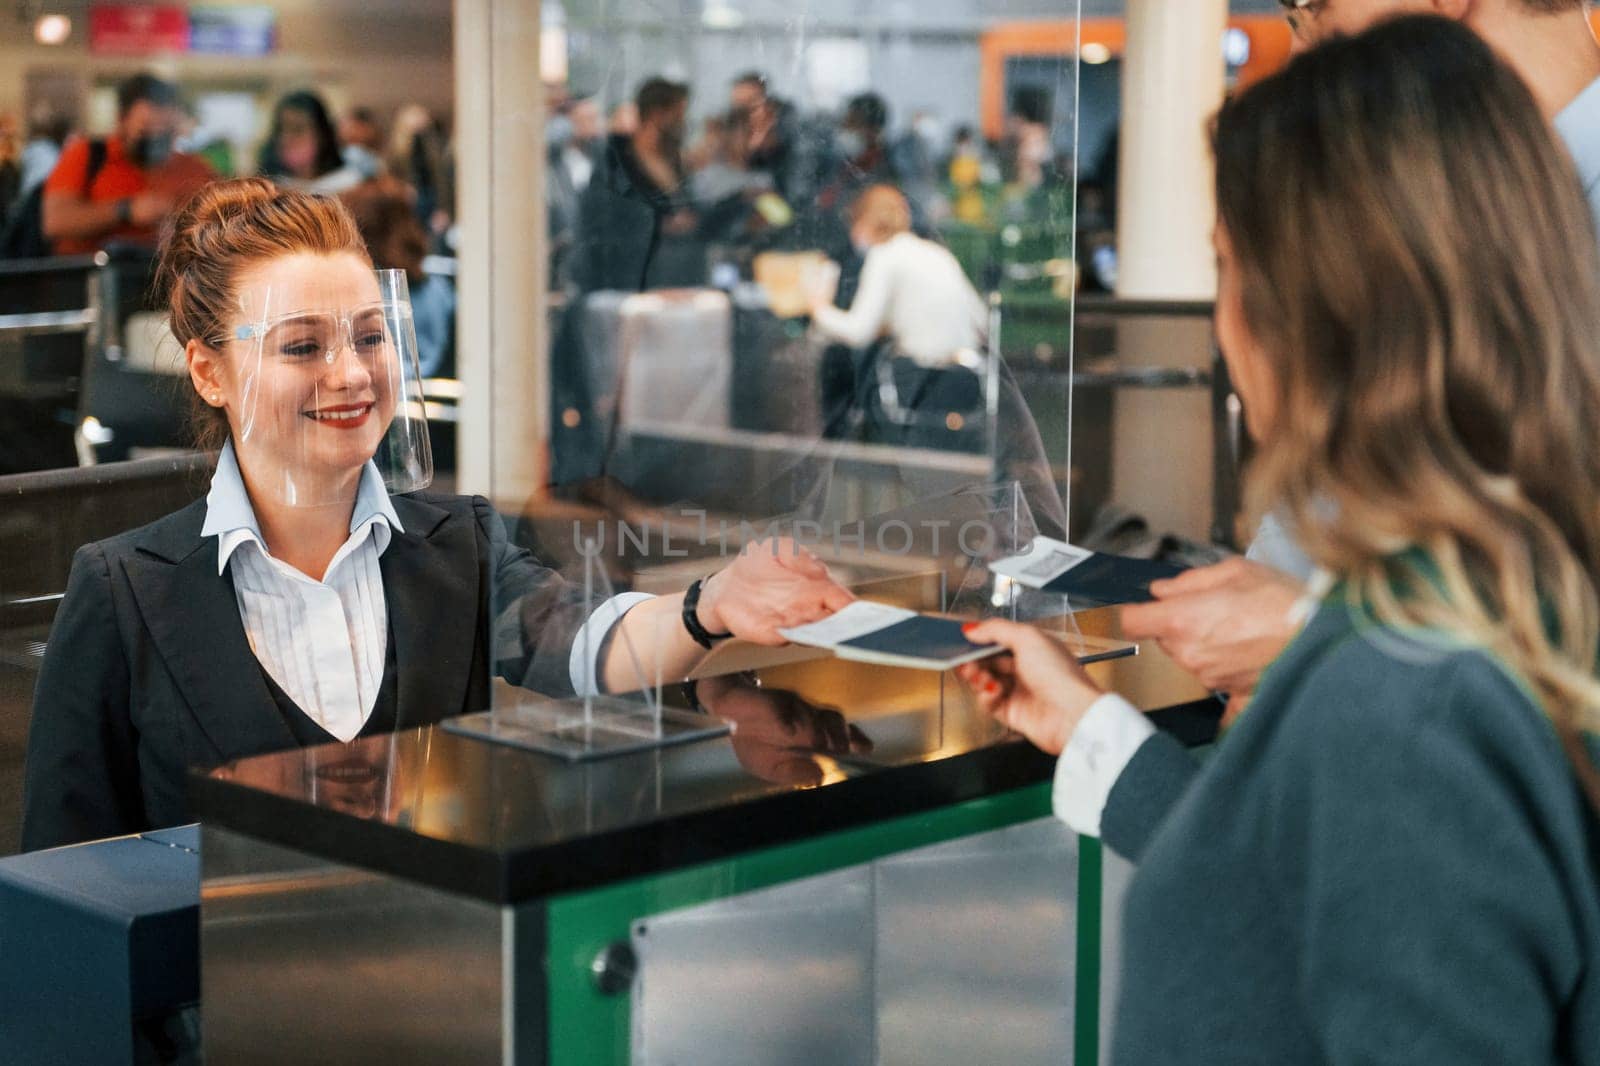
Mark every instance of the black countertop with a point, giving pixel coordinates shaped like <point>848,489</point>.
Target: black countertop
<point>506,825</point>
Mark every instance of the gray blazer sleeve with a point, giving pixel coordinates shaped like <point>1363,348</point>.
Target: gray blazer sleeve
<point>81,781</point>
<point>536,613</point>
<point>1149,786</point>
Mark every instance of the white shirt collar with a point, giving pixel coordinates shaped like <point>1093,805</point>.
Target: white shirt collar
<point>232,519</point>
<point>1579,126</point>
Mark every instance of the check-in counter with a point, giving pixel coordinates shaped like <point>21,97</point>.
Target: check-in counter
<point>431,898</point>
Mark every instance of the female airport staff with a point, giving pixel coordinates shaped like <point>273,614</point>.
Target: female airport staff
<point>1393,856</point>
<point>301,602</point>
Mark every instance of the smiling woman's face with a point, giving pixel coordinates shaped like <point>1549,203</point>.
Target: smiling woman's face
<point>309,389</point>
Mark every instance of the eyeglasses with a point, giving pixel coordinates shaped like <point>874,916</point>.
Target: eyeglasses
<point>307,335</point>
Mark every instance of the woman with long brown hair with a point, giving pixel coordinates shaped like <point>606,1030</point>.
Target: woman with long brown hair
<point>1393,854</point>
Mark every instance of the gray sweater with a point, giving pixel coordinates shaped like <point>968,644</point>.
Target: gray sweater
<point>1387,860</point>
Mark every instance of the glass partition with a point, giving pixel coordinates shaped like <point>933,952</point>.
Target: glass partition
<point>806,275</point>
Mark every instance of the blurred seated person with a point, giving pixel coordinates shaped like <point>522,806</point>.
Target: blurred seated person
<point>317,594</point>
<point>912,291</point>
<point>385,212</point>
<point>138,181</point>
<point>638,194</point>
<point>917,323</point>
<point>302,150</point>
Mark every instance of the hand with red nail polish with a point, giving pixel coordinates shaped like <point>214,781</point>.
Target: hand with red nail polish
<point>1038,689</point>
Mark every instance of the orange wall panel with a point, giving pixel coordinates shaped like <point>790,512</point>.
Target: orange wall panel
<point>1269,51</point>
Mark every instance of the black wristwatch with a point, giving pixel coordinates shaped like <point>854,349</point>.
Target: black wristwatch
<point>125,211</point>
<point>691,619</point>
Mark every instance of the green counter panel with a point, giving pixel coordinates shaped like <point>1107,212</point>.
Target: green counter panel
<point>588,1028</point>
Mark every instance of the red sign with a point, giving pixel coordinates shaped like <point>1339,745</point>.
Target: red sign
<point>137,29</point>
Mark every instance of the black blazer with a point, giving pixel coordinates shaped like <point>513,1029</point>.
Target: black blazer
<point>148,671</point>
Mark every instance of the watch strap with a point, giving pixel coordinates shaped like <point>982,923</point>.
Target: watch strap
<point>691,618</point>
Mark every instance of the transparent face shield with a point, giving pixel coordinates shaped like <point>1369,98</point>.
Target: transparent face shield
<point>325,358</point>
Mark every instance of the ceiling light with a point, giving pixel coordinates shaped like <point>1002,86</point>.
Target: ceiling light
<point>52,29</point>
<point>1095,53</point>
<point>721,15</point>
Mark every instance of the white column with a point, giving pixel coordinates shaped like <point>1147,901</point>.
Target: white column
<point>1172,85</point>
<point>500,315</point>
<point>1172,80</point>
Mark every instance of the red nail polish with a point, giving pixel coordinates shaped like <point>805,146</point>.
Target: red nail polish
<point>968,627</point>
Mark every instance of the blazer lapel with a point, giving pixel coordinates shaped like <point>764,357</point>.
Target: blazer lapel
<point>430,583</point>
<point>193,619</point>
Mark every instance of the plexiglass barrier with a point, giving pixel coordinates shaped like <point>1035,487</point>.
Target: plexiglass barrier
<point>791,258</point>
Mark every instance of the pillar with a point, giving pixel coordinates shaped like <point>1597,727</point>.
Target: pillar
<point>501,343</point>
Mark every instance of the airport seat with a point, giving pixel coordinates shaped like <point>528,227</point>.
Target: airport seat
<point>135,394</point>
<point>44,519</point>
<point>50,316</point>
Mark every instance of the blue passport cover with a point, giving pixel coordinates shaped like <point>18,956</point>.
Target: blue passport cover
<point>1113,578</point>
<point>922,637</point>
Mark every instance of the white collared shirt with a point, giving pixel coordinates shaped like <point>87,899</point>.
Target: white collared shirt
<point>324,642</point>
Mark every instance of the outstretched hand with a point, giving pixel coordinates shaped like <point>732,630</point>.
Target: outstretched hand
<point>773,584</point>
<point>1038,689</point>
<point>1221,623</point>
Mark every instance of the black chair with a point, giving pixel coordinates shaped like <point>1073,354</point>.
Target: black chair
<point>44,518</point>
<point>132,396</point>
<point>50,318</point>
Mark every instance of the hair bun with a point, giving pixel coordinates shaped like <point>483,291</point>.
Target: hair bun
<point>183,237</point>
<point>226,225</point>
<point>220,199</point>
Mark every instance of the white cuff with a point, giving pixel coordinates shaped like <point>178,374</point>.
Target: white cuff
<point>1111,731</point>
<point>584,669</point>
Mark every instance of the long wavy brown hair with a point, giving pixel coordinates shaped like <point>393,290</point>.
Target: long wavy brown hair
<point>1417,255</point>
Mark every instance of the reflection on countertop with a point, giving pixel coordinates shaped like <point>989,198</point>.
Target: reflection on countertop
<point>817,746</point>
